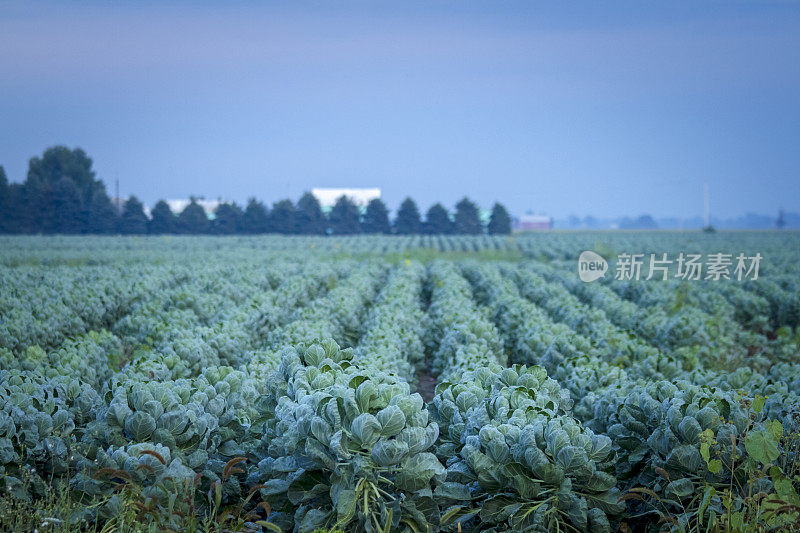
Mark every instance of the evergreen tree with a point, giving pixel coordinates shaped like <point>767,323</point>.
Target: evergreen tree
<point>227,219</point>
<point>500,222</point>
<point>780,222</point>
<point>41,206</point>
<point>281,218</point>
<point>407,221</point>
<point>163,220</point>
<point>255,219</point>
<point>344,217</point>
<point>19,215</point>
<point>67,207</point>
<point>193,219</point>
<point>133,221</point>
<point>437,221</point>
<point>100,214</point>
<point>467,220</point>
<point>5,203</point>
<point>58,191</point>
<point>309,219</point>
<point>60,162</point>
<point>376,218</point>
<point>13,208</point>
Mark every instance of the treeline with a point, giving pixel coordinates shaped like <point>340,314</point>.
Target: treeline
<point>62,195</point>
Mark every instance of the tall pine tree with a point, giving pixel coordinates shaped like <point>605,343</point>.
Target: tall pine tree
<point>309,219</point>
<point>407,221</point>
<point>20,217</point>
<point>281,218</point>
<point>255,219</point>
<point>376,217</point>
<point>467,219</point>
<point>5,203</point>
<point>193,219</point>
<point>227,219</point>
<point>344,217</point>
<point>133,221</point>
<point>162,219</point>
<point>100,215</point>
<point>437,221</point>
<point>500,222</point>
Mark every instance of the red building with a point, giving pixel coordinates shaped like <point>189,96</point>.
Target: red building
<point>534,222</point>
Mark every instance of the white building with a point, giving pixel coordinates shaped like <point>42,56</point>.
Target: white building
<point>360,197</point>
<point>176,206</point>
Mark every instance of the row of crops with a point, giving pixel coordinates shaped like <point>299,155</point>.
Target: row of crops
<point>545,246</point>
<point>284,384</point>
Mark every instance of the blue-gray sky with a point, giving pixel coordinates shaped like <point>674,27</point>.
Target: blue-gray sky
<point>606,109</point>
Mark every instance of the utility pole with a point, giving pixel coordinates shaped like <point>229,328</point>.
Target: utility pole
<point>116,196</point>
<point>706,216</point>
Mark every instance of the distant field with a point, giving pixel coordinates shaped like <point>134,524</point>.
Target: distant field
<point>386,383</point>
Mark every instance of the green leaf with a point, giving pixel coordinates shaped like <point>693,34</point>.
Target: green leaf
<point>600,482</point>
<point>319,453</point>
<point>275,486</point>
<point>707,495</point>
<point>687,457</point>
<point>761,446</point>
<point>571,457</point>
<point>175,422</point>
<point>786,492</point>
<point>465,400</point>
<point>313,520</point>
<point>345,507</point>
<point>314,355</point>
<point>775,428</point>
<point>715,466</point>
<point>339,445</point>
<point>389,452</point>
<point>321,430</point>
<point>331,348</point>
<point>608,501</point>
<point>758,403</point>
<point>140,426</point>
<point>680,488</point>
<point>365,395</point>
<point>418,438</point>
<point>498,509</point>
<point>497,450</point>
<point>366,428</point>
<point>409,404</point>
<point>705,449</point>
<point>578,511</point>
<point>601,447</point>
<point>356,381</point>
<point>598,521</point>
<point>689,429</point>
<point>453,491</point>
<point>306,486</point>
<point>392,420</point>
<point>450,514</point>
<point>417,471</point>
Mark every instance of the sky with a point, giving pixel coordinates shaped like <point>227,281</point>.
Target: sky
<point>605,109</point>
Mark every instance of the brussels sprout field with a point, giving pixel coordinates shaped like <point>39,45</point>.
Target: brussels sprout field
<point>382,383</point>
